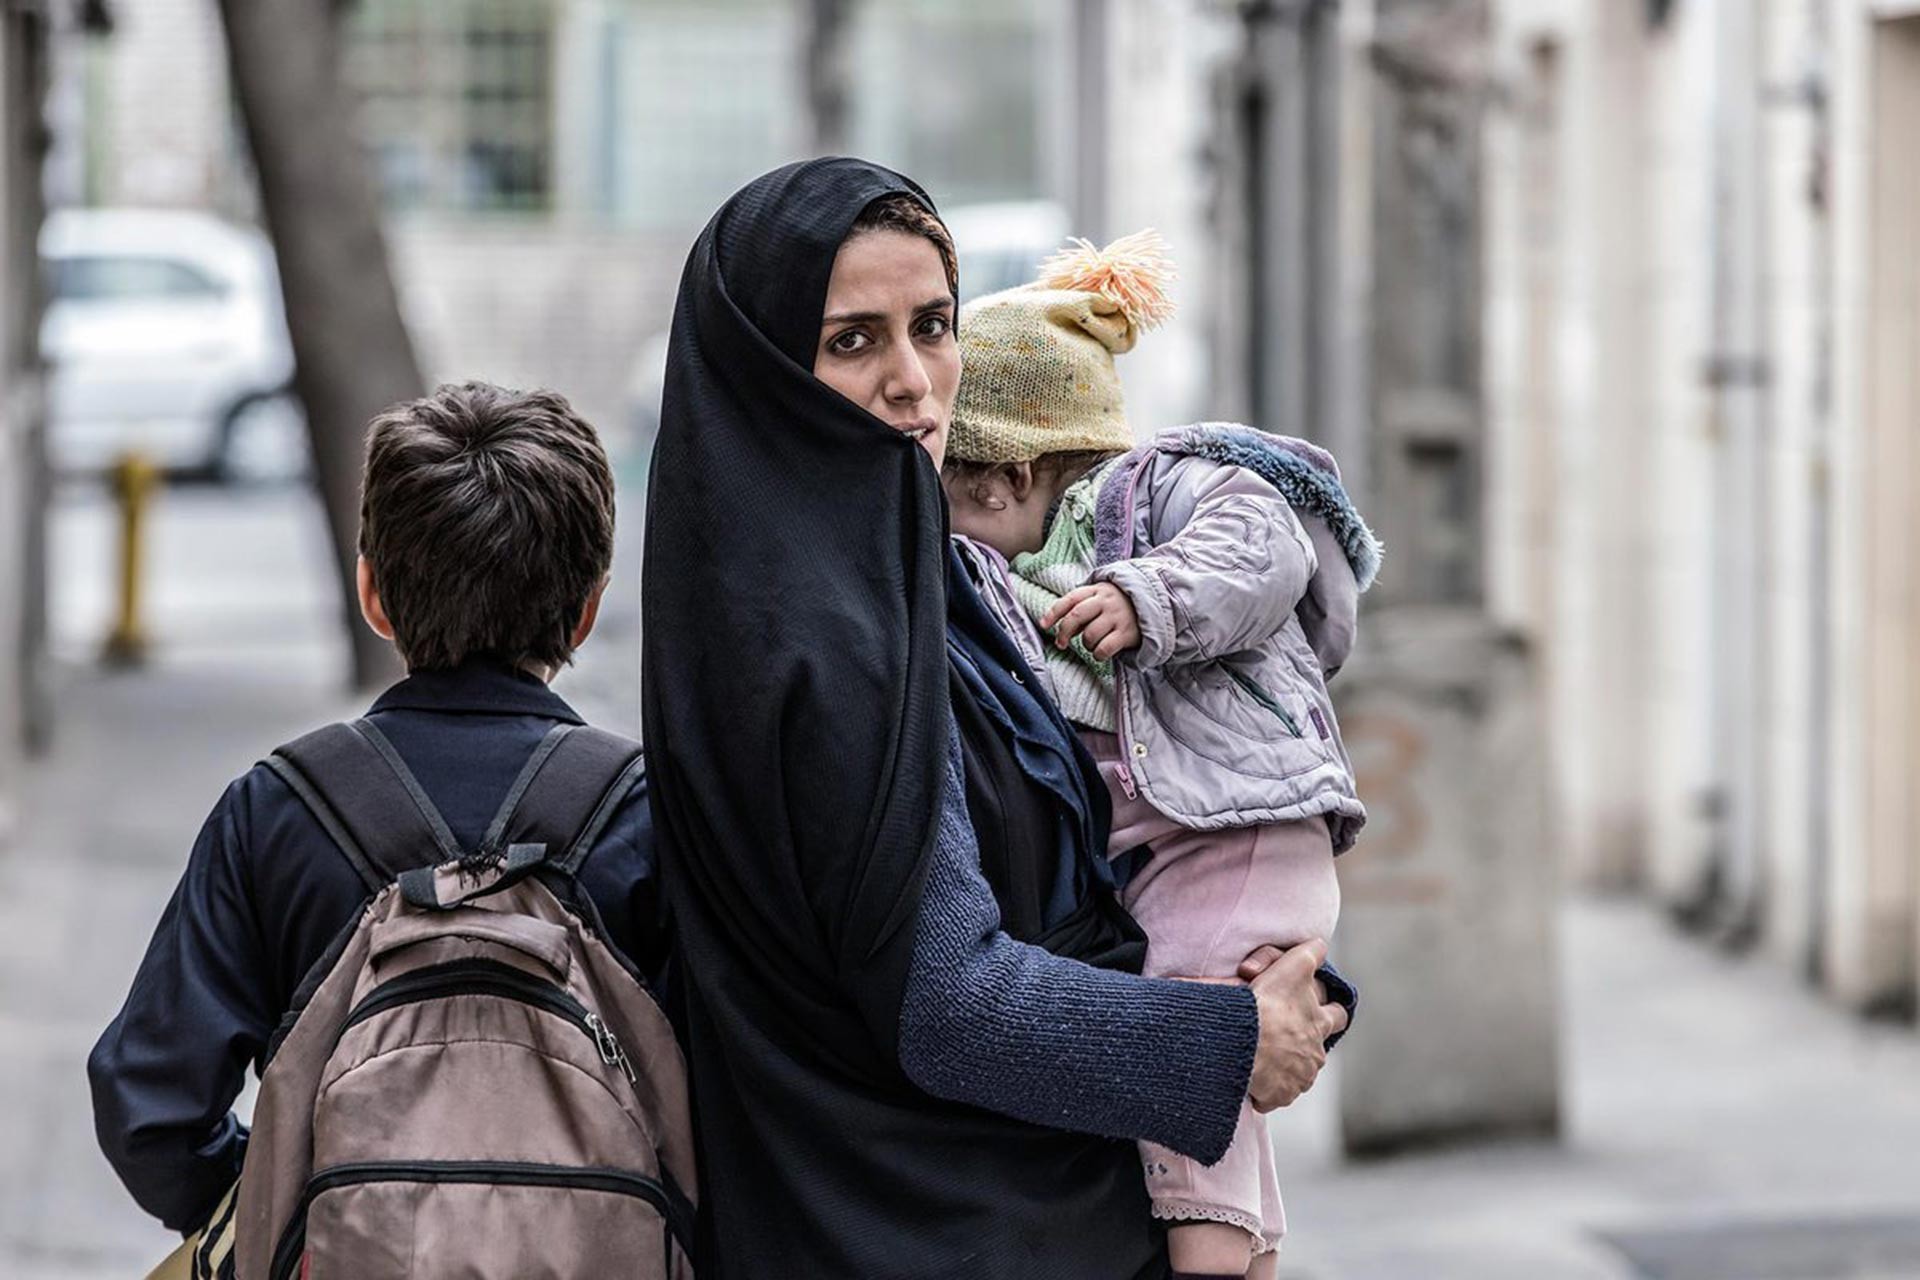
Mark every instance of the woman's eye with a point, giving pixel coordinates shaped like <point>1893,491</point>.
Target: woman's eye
<point>935,326</point>
<point>845,344</point>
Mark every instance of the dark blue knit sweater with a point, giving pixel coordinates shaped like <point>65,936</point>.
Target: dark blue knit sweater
<point>1015,1029</point>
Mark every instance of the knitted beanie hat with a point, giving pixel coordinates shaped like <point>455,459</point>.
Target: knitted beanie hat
<point>1037,374</point>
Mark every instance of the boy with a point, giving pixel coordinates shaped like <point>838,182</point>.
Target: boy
<point>486,534</point>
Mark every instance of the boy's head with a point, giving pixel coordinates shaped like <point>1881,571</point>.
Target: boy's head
<point>486,527</point>
<point>1005,504</point>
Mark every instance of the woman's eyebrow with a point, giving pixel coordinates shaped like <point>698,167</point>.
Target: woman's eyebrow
<point>868,317</point>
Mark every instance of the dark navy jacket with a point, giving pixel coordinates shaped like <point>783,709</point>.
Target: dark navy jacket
<point>264,893</point>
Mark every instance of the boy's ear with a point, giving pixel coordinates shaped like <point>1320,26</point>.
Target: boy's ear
<point>370,607</point>
<point>1019,479</point>
<point>589,615</point>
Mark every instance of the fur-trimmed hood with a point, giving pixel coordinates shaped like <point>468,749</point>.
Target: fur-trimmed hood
<point>1305,474</point>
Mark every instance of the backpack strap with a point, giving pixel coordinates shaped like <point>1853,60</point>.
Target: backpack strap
<point>568,793</point>
<point>375,811</point>
<point>366,799</point>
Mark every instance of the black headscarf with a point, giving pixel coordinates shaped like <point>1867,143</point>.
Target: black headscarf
<point>795,704</point>
<point>794,605</point>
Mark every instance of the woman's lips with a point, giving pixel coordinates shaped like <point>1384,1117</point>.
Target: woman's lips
<point>918,428</point>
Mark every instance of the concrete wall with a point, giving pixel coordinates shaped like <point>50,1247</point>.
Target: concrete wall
<point>561,306</point>
<point>1705,510</point>
<point>12,487</point>
<point>22,86</point>
<point>1606,660</point>
<point>1157,178</point>
<point>1870,915</point>
<point>155,96</point>
<point>1794,809</point>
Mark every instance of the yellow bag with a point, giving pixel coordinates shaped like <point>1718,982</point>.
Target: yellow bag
<point>202,1254</point>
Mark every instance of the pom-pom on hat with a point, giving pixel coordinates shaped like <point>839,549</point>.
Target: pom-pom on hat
<point>1038,373</point>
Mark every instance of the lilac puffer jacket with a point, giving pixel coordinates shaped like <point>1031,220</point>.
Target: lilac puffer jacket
<point>1244,560</point>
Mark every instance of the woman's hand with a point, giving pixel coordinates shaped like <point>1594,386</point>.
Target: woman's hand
<point>1260,958</point>
<point>1295,1022</point>
<point>1100,614</point>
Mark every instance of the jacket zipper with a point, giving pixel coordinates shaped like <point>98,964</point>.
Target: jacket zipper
<point>491,978</point>
<point>1122,771</point>
<point>1125,772</point>
<point>1265,699</point>
<point>287,1255</point>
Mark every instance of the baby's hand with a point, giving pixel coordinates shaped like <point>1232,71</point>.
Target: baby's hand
<point>1100,614</point>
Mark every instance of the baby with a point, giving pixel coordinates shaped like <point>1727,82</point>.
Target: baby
<point>1198,592</point>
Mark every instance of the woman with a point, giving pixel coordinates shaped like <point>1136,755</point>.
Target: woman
<point>886,1082</point>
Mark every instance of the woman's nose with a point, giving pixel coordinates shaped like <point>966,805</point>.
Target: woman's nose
<point>907,379</point>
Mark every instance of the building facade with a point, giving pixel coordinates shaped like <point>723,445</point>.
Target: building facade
<point>1703,301</point>
<point>1698,266</point>
<point>546,163</point>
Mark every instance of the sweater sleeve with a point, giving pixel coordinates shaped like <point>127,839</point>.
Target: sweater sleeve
<point>167,1070</point>
<point>1015,1029</point>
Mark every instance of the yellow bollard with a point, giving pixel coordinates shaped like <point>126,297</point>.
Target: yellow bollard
<point>133,477</point>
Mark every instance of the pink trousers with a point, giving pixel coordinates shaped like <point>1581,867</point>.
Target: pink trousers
<point>1206,899</point>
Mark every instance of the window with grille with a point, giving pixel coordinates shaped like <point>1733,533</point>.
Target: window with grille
<point>457,101</point>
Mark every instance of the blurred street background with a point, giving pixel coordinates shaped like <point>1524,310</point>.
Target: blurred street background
<point>1610,310</point>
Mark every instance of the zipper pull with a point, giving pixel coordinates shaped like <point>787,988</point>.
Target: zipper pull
<point>626,1064</point>
<point>601,1037</point>
<point>611,1051</point>
<point>1126,780</point>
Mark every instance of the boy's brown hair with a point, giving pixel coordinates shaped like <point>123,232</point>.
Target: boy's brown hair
<point>486,518</point>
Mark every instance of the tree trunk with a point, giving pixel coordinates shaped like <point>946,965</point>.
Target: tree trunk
<point>825,73</point>
<point>351,351</point>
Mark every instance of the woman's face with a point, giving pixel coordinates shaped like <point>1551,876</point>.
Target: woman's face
<point>886,340</point>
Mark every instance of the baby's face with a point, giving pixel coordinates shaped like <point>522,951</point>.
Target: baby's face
<point>1004,509</point>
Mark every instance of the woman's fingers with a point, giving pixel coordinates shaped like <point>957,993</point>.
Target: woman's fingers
<point>1294,1027</point>
<point>1261,958</point>
<point>1257,961</point>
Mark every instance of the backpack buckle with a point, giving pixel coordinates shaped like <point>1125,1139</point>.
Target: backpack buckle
<point>449,885</point>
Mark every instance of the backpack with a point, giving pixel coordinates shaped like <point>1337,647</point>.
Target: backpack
<point>471,1081</point>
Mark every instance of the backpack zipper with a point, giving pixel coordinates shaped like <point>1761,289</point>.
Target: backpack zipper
<point>491,978</point>
<point>611,1051</point>
<point>1265,699</point>
<point>286,1256</point>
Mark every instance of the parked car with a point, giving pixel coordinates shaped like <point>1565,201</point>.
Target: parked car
<point>164,333</point>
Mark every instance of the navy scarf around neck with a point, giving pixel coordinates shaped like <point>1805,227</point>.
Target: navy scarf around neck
<point>1055,885</point>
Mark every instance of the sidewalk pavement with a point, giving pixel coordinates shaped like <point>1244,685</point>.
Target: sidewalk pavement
<point>1722,1122</point>
<point>1713,1105</point>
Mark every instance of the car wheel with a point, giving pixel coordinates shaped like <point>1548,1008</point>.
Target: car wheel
<point>263,440</point>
